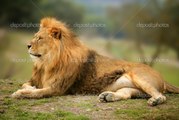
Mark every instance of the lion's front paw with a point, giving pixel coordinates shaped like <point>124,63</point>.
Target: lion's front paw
<point>106,97</point>
<point>20,93</point>
<point>16,94</point>
<point>30,88</point>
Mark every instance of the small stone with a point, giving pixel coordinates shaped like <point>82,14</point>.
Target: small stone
<point>118,108</point>
<point>11,83</point>
<point>2,111</point>
<point>108,108</point>
<point>88,110</point>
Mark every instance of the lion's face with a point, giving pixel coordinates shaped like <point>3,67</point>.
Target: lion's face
<point>49,40</point>
<point>44,45</point>
<point>39,45</point>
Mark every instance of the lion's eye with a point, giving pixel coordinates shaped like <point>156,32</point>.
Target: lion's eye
<point>39,38</point>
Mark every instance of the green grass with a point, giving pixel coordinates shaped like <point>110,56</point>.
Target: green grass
<point>169,73</point>
<point>15,56</point>
<point>132,113</point>
<point>18,114</point>
<point>147,114</point>
<point>69,116</point>
<point>139,110</point>
<point>18,110</point>
<point>82,108</point>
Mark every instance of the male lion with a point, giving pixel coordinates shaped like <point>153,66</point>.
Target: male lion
<point>63,65</point>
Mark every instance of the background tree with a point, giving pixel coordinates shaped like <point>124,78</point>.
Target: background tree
<point>31,11</point>
<point>128,17</point>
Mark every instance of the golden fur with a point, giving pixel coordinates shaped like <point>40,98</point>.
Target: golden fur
<point>63,65</point>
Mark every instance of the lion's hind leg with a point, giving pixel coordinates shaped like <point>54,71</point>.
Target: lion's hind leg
<point>121,94</point>
<point>151,88</point>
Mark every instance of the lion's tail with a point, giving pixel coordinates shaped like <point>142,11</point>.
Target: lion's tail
<point>171,88</point>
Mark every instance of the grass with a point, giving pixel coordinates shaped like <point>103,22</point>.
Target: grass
<point>169,73</point>
<point>76,107</point>
<point>147,114</point>
<point>19,114</point>
<point>140,111</point>
<point>15,56</point>
<point>12,109</point>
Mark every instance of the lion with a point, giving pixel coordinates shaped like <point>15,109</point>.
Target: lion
<point>63,65</point>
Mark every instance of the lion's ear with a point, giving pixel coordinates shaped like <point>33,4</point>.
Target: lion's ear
<point>55,33</point>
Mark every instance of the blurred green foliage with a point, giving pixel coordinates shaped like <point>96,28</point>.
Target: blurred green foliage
<point>31,11</point>
<point>133,18</point>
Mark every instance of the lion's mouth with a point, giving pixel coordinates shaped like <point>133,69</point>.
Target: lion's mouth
<point>36,55</point>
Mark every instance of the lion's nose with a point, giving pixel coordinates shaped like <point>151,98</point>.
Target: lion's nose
<point>29,46</point>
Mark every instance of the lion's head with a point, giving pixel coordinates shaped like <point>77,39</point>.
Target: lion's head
<point>52,37</point>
